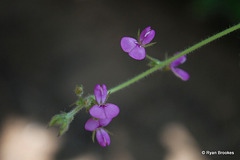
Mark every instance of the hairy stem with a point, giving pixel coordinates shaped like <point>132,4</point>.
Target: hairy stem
<point>168,61</point>
<point>161,64</point>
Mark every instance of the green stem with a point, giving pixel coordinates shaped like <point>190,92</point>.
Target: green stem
<point>65,121</point>
<point>168,61</point>
<point>153,59</point>
<point>161,64</point>
<point>75,110</point>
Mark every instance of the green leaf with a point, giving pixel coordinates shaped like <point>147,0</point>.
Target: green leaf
<point>56,120</point>
<point>63,128</point>
<point>63,121</point>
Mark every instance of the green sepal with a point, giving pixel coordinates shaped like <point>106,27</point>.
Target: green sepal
<point>166,68</point>
<point>138,35</point>
<point>108,131</point>
<point>166,56</point>
<point>93,136</point>
<point>149,44</point>
<point>108,96</point>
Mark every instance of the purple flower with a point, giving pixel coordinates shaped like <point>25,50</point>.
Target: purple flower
<point>177,71</point>
<point>102,110</point>
<point>101,135</point>
<point>135,48</point>
<point>92,124</point>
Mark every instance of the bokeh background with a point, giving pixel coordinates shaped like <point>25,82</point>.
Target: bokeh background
<point>50,46</point>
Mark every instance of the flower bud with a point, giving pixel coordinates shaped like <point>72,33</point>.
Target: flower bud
<point>79,90</point>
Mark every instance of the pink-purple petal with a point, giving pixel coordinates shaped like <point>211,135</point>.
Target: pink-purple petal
<point>91,124</point>
<point>97,112</point>
<point>104,122</point>
<point>181,74</point>
<point>100,93</point>
<point>143,33</point>
<point>111,110</point>
<point>102,137</point>
<point>148,37</point>
<point>138,53</point>
<point>179,61</point>
<point>104,90</point>
<point>128,43</point>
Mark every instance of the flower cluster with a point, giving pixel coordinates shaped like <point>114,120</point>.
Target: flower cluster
<point>102,114</point>
<point>135,48</point>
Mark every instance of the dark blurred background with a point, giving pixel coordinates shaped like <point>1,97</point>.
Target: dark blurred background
<point>50,46</point>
